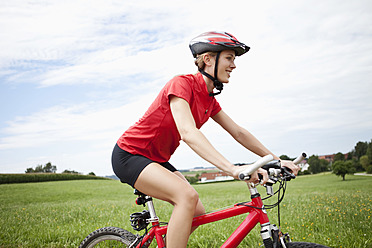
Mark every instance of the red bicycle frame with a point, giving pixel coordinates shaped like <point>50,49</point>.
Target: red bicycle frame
<point>256,215</point>
<point>270,233</point>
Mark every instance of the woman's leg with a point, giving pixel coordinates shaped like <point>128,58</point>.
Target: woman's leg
<point>158,182</point>
<point>199,210</point>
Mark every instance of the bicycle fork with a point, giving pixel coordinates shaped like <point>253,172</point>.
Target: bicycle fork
<point>270,233</point>
<point>272,236</point>
<point>257,214</point>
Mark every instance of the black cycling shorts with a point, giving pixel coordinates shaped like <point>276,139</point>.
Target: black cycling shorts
<point>127,167</point>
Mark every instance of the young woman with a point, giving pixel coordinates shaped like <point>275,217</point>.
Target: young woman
<point>140,157</point>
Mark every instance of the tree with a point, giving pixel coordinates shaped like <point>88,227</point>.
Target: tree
<point>324,165</point>
<point>192,180</point>
<point>369,152</point>
<point>369,169</point>
<point>360,149</point>
<point>47,168</point>
<point>339,157</point>
<point>364,161</point>
<point>70,172</point>
<point>314,164</point>
<point>341,168</point>
<point>91,174</point>
<point>284,157</point>
<point>39,169</point>
<point>357,165</point>
<point>349,155</point>
<point>317,165</point>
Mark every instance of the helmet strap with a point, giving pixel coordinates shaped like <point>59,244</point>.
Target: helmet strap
<point>217,84</point>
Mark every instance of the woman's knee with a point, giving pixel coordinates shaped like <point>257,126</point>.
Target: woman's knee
<point>190,192</point>
<point>188,196</point>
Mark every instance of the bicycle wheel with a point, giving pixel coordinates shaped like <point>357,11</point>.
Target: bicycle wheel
<point>108,237</point>
<point>304,245</point>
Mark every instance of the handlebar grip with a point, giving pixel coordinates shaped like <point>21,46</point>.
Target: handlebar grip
<point>299,158</point>
<point>245,174</point>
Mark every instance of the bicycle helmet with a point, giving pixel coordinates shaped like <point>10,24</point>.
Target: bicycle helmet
<point>216,42</point>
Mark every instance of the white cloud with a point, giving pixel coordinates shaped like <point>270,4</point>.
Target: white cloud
<point>85,122</point>
<point>308,71</point>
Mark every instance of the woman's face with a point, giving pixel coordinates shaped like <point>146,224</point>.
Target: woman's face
<point>225,65</point>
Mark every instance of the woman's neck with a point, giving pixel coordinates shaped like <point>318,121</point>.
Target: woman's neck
<point>209,83</point>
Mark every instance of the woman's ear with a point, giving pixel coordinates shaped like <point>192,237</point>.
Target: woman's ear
<point>208,59</point>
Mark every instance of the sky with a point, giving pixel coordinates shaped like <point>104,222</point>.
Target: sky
<point>75,74</point>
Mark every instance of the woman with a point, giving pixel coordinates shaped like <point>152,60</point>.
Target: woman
<point>140,157</point>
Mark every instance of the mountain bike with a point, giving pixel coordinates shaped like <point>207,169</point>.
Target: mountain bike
<point>271,234</point>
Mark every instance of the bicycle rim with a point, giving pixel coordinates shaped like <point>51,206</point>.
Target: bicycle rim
<point>108,241</point>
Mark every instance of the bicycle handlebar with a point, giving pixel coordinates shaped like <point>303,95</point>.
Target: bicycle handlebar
<point>299,158</point>
<point>245,175</point>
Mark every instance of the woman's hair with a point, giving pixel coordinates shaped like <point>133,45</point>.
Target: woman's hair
<point>199,62</point>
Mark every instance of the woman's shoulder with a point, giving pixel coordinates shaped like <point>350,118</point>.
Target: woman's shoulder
<point>182,85</point>
<point>185,77</point>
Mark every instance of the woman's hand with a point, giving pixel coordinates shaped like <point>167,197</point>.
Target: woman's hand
<point>290,165</point>
<point>254,177</point>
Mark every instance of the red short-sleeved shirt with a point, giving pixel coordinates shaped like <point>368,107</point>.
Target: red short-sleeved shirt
<point>155,135</point>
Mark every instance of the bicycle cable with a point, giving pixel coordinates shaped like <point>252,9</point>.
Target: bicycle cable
<point>282,186</point>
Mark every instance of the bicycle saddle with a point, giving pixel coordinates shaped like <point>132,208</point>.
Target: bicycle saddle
<point>139,193</point>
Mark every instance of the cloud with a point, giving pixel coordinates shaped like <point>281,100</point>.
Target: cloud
<point>84,122</point>
<point>306,77</point>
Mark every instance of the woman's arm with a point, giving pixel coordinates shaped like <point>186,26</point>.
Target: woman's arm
<point>193,137</point>
<point>198,142</point>
<point>241,135</point>
<point>247,139</point>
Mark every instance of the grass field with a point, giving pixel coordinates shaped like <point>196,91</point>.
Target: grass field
<point>320,208</point>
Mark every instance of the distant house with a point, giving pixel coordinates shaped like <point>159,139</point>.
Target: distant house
<point>214,177</point>
<point>330,157</point>
<point>304,165</point>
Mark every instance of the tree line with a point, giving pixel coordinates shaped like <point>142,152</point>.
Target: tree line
<point>358,159</point>
<point>49,168</point>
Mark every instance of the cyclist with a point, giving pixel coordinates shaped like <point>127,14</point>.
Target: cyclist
<point>140,157</point>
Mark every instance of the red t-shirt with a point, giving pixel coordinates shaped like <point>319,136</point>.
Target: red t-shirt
<point>155,135</point>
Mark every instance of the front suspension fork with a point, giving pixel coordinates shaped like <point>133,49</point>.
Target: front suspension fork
<point>272,237</point>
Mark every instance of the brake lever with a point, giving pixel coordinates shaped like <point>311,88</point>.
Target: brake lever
<point>274,164</point>
<point>269,185</point>
<point>287,173</point>
<point>269,189</point>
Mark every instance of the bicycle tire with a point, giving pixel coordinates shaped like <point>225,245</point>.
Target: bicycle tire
<point>108,237</point>
<point>304,245</point>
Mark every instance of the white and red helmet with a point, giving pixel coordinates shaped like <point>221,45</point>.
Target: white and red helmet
<point>216,42</point>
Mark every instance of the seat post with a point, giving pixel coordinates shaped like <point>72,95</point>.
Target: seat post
<point>150,205</point>
<point>151,208</point>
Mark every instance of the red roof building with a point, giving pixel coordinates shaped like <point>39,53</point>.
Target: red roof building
<point>330,157</point>
<point>214,177</point>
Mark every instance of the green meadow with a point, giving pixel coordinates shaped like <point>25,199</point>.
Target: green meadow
<point>317,208</point>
